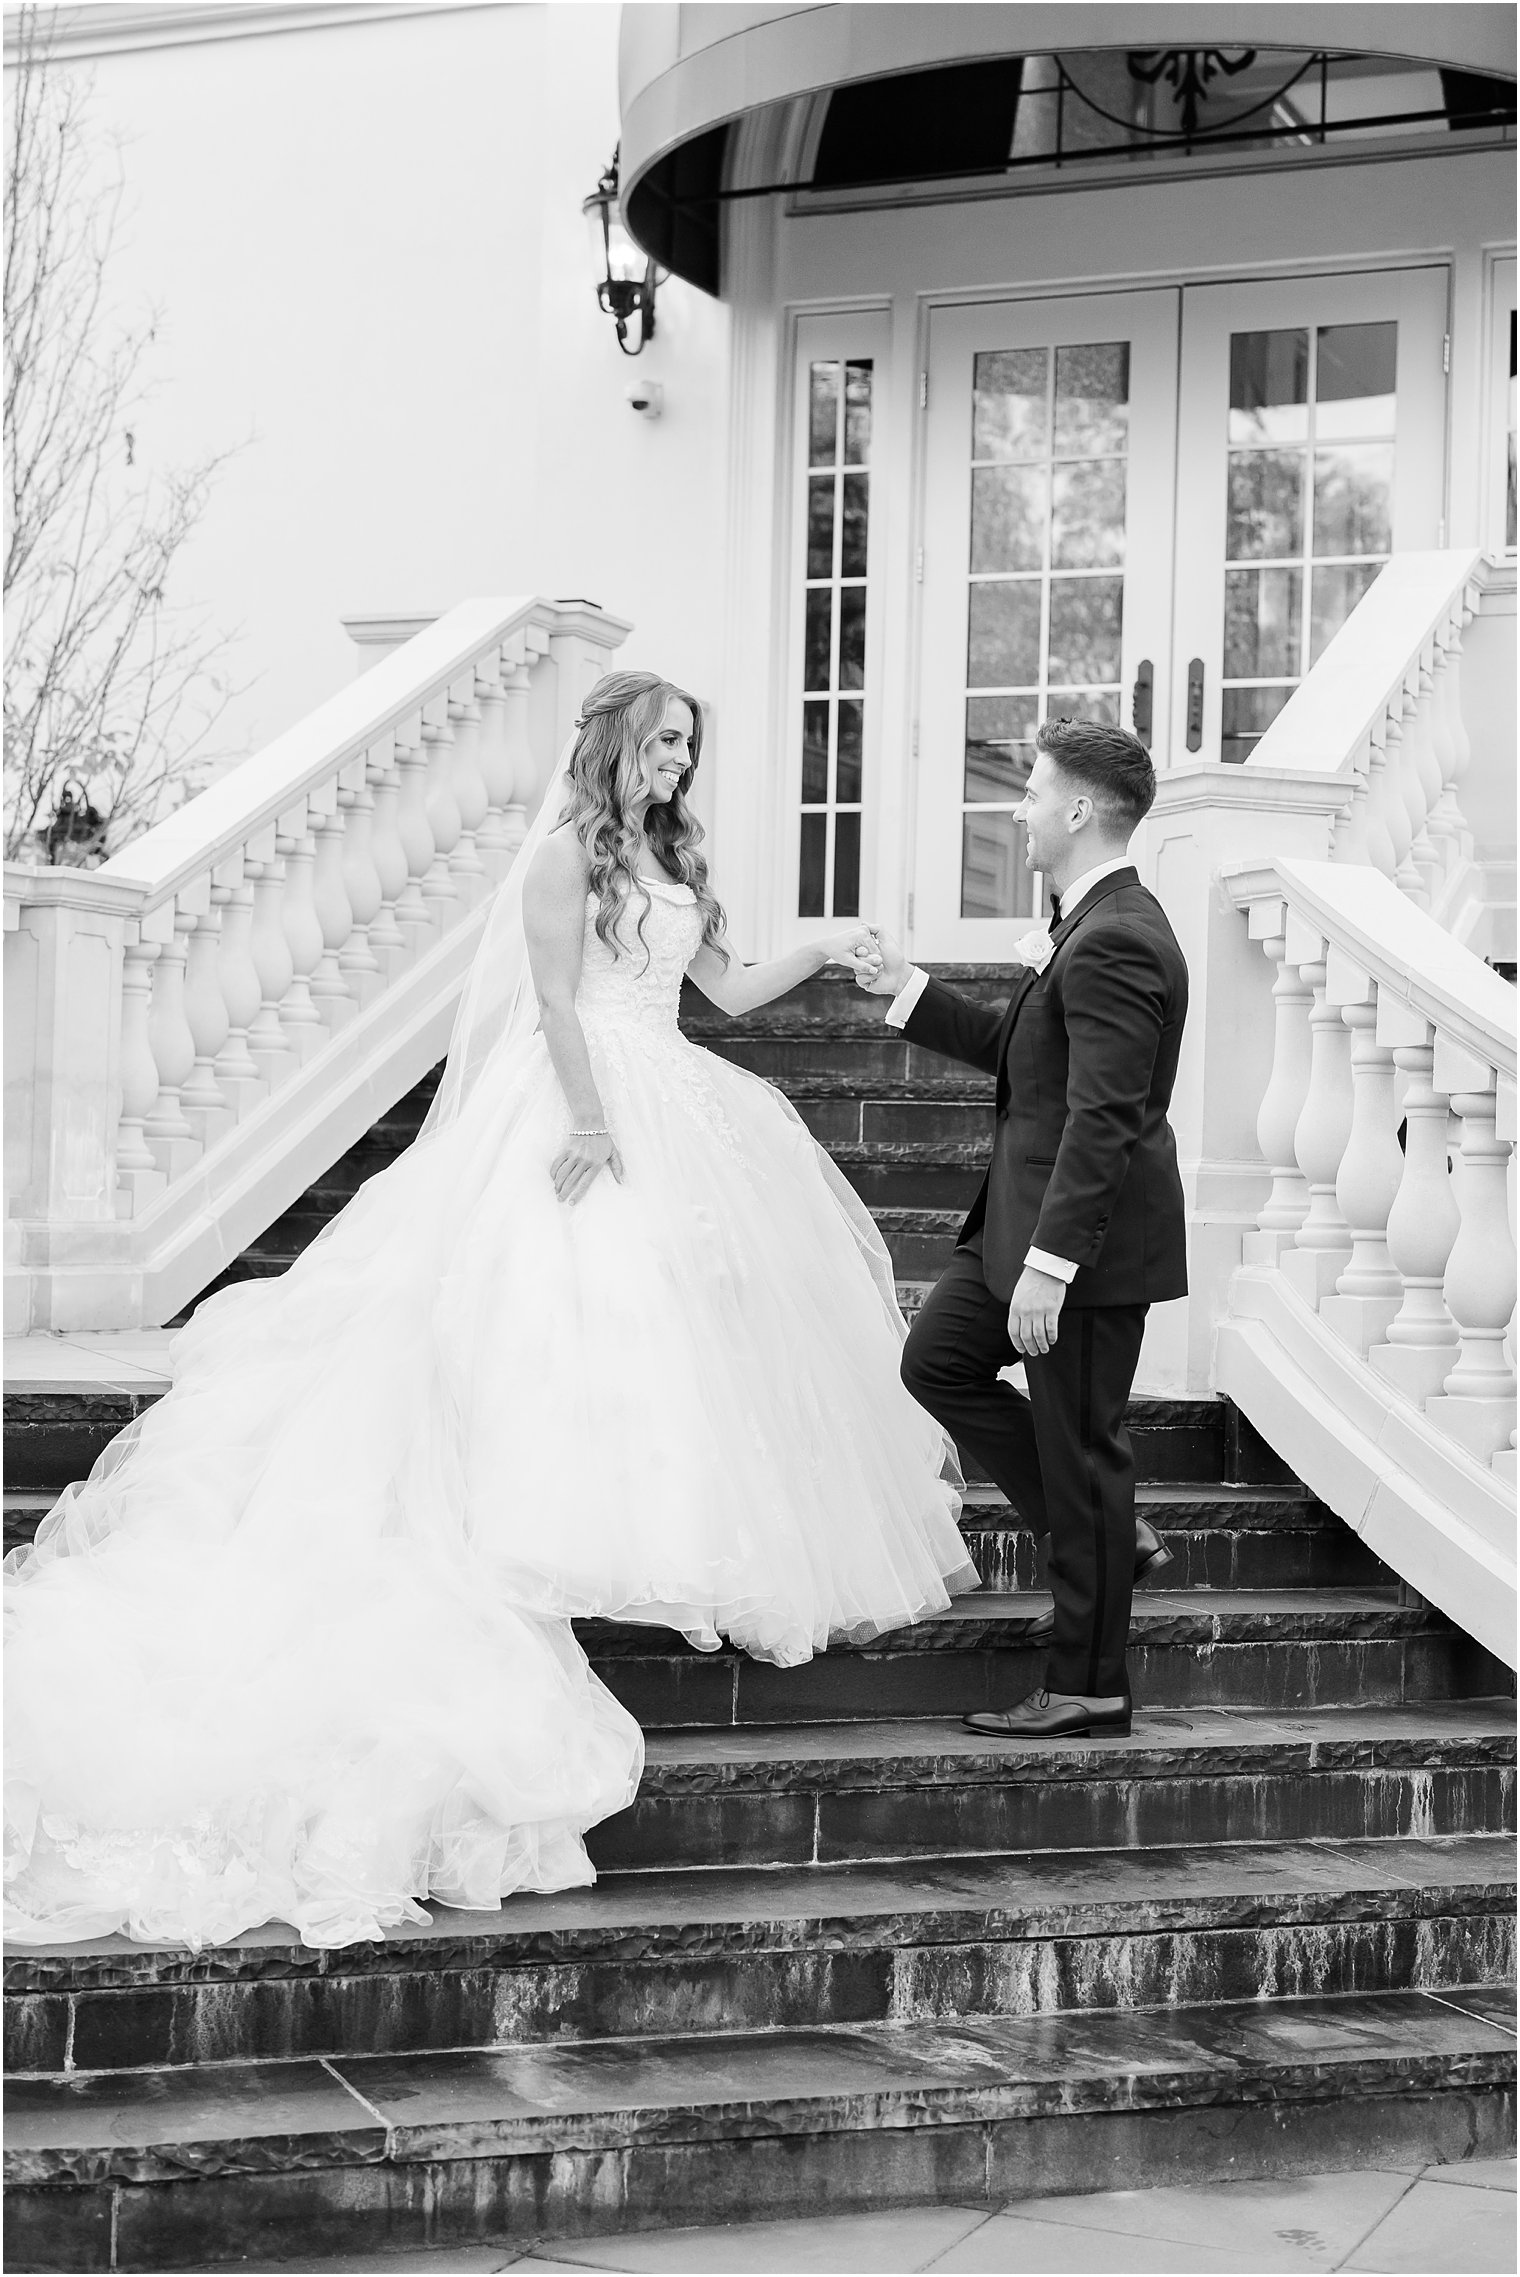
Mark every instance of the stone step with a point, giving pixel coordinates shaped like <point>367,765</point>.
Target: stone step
<point>1205,1649</point>
<point>181,2170</point>
<point>832,1000</point>
<point>754,1949</point>
<point>1220,1537</point>
<point>930,1788</point>
<point>52,1437</point>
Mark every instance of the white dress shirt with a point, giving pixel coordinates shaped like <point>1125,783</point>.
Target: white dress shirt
<point>913,988</point>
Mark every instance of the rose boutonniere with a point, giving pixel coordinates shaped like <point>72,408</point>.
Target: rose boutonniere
<point>1034,949</point>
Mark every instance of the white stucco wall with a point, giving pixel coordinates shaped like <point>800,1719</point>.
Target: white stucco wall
<point>367,246</point>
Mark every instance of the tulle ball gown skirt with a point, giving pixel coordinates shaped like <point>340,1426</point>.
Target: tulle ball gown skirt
<point>300,1649</point>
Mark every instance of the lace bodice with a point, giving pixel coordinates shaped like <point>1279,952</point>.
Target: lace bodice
<point>628,987</point>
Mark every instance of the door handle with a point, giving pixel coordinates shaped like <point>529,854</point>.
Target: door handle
<point>1195,705</point>
<point>1141,697</point>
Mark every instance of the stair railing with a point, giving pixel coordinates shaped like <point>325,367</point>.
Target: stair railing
<point>1370,1326</point>
<point>199,1026</point>
<point>1382,709</point>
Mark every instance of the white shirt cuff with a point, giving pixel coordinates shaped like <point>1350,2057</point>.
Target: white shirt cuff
<point>1042,1261</point>
<point>907,996</point>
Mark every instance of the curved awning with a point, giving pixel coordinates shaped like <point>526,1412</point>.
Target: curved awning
<point>686,73</point>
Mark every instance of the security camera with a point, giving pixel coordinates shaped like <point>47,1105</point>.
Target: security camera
<point>647,398</point>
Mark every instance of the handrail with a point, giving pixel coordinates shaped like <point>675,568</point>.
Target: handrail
<point>194,1022</point>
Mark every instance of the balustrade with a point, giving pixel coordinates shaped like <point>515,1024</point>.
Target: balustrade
<point>335,882</point>
<point>1405,1255</point>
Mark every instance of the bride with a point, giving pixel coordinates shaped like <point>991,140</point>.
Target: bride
<point>614,1337</point>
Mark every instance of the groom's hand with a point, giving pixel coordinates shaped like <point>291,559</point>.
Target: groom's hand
<point>1033,1311</point>
<point>887,973</point>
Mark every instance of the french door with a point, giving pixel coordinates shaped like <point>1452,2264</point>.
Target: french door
<point>1154,508</point>
<point>1046,573</point>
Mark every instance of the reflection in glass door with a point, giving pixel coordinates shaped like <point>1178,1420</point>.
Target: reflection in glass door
<point>1314,412</point>
<point>1046,564</point>
<point>1309,505</point>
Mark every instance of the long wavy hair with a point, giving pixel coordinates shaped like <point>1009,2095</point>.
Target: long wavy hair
<point>620,715</point>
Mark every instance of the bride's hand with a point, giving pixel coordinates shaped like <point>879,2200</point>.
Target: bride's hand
<point>859,949</point>
<point>578,1161</point>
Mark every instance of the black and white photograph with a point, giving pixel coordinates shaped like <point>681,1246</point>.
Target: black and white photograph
<point>760,1125</point>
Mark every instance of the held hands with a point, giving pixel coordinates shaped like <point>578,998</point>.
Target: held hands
<point>1033,1311</point>
<point>883,969</point>
<point>575,1166</point>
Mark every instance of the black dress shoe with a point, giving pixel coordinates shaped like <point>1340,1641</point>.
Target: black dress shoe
<point>1059,1715</point>
<point>1152,1559</point>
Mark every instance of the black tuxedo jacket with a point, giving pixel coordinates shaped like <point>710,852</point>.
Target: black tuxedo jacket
<point>1084,1163</point>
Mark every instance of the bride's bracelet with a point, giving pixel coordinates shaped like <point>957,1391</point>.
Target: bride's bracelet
<point>602,1133</point>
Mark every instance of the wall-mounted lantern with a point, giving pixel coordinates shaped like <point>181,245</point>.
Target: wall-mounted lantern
<point>625,278</point>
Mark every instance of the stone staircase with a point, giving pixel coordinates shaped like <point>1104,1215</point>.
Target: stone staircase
<point>842,1952</point>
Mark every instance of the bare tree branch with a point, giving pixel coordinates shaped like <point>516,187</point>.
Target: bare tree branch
<point>111,689</point>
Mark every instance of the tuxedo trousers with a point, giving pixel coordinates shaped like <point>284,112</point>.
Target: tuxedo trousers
<point>1062,1456</point>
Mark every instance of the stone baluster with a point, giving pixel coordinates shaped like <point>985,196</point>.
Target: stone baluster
<point>206,1109</point>
<point>413,914</point>
<point>357,961</point>
<point>386,939</point>
<point>1397,800</point>
<point>330,990</point>
<point>1439,826</point>
<point>1282,1103</point>
<point>302,1022</point>
<point>1422,1225</point>
<point>1424,775</point>
<point>273,1052</point>
<point>440,888</point>
<point>494,841</point>
<point>1449,826</point>
<point>1322,1243</point>
<point>1476,1405</point>
<point>1369,1291</point>
<point>1505,1461</point>
<point>138,1177</point>
<point>237,1071</point>
<point>471,797</point>
<point>525,785</point>
<point>171,1140</point>
<point>1353,826</point>
<point>1382,850</point>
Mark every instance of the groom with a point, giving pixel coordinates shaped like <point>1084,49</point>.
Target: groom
<point>1078,1227</point>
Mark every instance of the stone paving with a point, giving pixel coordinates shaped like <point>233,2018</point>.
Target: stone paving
<point>1432,2219</point>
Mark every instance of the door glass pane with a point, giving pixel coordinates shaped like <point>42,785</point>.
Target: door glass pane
<point>815,753</point>
<point>1086,622</point>
<point>1266,510</point>
<point>1509,496</point>
<point>1334,591</point>
<point>852,543</point>
<point>1262,630</point>
<point>847,766</point>
<point>823,414</point>
<point>820,543</point>
<point>1009,413</point>
<point>1248,712</point>
<point>810,885</point>
<point>1353,499</point>
<point>815,639</point>
<point>847,865</point>
<point>857,414</point>
<point>1269,387</point>
<point>1355,383</point>
<point>999,748</point>
<point>1003,647</point>
<point>852,636</point>
<point>1009,508</point>
<point>1092,400</point>
<point>994,881</point>
<point>1087,514</point>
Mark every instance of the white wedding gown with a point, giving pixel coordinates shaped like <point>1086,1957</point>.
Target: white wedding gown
<point>299,1649</point>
